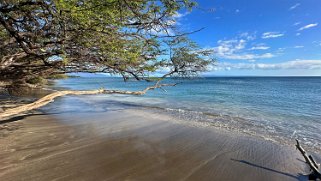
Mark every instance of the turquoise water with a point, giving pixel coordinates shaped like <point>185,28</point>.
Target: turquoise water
<point>277,108</point>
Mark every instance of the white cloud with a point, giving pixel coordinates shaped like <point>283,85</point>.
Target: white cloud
<point>308,26</point>
<point>178,15</point>
<point>298,34</point>
<point>237,11</point>
<point>249,57</point>
<point>260,47</point>
<point>298,46</point>
<point>296,23</point>
<point>295,64</point>
<point>236,49</point>
<point>294,6</point>
<point>248,36</point>
<point>268,35</point>
<point>230,46</point>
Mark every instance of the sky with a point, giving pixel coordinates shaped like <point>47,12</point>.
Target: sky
<point>258,37</point>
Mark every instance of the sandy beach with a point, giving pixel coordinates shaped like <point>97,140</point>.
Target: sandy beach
<point>137,144</point>
<point>160,90</point>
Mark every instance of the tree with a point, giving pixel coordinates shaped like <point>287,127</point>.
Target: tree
<point>123,37</point>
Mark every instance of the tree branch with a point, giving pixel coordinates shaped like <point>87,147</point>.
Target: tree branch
<point>49,98</point>
<point>315,174</point>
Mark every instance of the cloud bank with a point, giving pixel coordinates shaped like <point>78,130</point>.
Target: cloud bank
<point>295,64</point>
<point>236,49</point>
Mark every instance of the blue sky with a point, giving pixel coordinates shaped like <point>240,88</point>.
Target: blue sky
<point>259,37</point>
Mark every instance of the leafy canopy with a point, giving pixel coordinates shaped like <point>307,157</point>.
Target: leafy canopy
<point>125,37</point>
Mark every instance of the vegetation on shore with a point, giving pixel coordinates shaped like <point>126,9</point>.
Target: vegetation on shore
<point>48,38</point>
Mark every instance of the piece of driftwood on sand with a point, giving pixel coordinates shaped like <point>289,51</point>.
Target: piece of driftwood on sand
<point>50,97</point>
<point>315,173</point>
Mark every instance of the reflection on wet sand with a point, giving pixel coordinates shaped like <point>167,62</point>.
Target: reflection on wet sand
<point>136,144</point>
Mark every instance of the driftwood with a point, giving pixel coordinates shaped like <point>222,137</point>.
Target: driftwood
<point>50,97</point>
<point>315,173</point>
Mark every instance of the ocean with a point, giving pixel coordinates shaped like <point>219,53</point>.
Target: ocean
<point>279,109</point>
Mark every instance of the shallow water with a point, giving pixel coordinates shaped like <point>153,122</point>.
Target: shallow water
<point>276,108</point>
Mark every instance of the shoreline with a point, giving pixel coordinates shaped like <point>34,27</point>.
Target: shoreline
<point>196,118</point>
<point>138,144</point>
<point>233,124</point>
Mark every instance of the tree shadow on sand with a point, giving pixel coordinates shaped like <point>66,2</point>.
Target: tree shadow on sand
<point>299,177</point>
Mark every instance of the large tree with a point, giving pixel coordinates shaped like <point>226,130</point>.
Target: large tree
<point>131,38</point>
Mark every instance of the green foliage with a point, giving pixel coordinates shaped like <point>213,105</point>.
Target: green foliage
<point>122,37</point>
<point>58,76</point>
<point>37,81</point>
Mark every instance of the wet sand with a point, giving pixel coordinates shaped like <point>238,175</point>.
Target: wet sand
<point>137,144</point>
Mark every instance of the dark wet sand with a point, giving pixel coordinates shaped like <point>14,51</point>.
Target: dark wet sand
<point>138,145</point>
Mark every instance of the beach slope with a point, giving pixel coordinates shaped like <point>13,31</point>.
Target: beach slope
<point>137,144</point>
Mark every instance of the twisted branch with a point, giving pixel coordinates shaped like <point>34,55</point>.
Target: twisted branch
<point>315,174</point>
<point>50,97</point>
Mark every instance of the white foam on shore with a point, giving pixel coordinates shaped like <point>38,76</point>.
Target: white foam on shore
<point>246,126</point>
<point>262,129</point>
